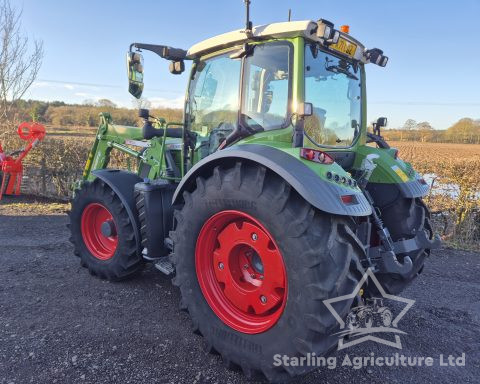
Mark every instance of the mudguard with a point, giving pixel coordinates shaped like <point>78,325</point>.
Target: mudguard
<point>323,195</point>
<point>122,183</point>
<point>412,189</point>
<point>392,178</point>
<point>386,193</point>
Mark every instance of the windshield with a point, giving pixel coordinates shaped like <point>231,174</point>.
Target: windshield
<point>333,87</point>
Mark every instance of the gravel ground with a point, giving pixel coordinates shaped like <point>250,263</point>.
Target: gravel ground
<point>59,324</point>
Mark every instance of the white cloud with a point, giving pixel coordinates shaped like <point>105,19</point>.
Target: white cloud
<point>51,84</point>
<point>42,84</point>
<point>162,102</point>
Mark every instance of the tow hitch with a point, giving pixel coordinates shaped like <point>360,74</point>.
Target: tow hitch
<point>387,259</point>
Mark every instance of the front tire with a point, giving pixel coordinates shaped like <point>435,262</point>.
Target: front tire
<point>314,256</point>
<point>102,233</point>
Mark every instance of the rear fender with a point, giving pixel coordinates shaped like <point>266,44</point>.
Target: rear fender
<point>392,178</point>
<point>323,195</point>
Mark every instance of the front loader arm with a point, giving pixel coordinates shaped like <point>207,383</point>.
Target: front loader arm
<point>151,155</point>
<point>109,136</point>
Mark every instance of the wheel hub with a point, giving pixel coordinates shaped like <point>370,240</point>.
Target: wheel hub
<point>256,263</point>
<point>241,272</point>
<point>108,228</point>
<point>99,231</point>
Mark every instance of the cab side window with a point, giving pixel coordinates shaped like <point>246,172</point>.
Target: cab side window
<point>214,95</point>
<point>266,87</point>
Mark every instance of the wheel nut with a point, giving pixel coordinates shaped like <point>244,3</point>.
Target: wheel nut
<point>263,299</point>
<point>252,275</point>
<point>245,266</point>
<point>254,236</point>
<point>220,265</point>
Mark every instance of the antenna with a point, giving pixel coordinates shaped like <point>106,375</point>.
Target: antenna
<point>289,14</point>
<point>248,23</point>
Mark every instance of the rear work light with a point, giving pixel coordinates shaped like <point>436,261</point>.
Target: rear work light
<point>316,156</point>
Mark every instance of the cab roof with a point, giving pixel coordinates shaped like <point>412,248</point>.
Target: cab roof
<point>289,29</point>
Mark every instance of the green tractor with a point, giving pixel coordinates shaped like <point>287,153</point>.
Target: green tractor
<point>268,198</point>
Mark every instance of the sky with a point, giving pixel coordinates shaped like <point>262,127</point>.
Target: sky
<point>433,73</point>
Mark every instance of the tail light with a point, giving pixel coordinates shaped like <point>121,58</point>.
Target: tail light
<point>316,156</point>
<point>349,199</point>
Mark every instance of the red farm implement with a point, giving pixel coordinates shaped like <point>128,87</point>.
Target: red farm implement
<point>11,165</point>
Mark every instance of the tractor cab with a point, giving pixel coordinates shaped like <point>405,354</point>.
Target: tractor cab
<point>299,83</point>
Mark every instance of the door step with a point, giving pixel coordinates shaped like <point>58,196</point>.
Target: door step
<point>165,266</point>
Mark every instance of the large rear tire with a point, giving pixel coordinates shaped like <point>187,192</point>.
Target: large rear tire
<point>102,233</point>
<point>404,219</point>
<point>250,224</point>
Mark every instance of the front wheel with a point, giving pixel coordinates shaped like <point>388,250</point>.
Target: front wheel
<point>102,233</point>
<point>254,263</point>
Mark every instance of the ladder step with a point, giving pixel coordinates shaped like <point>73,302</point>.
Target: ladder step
<point>165,266</point>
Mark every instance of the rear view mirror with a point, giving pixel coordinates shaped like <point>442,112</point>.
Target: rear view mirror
<point>176,67</point>
<point>135,73</point>
<point>305,109</point>
<point>381,122</point>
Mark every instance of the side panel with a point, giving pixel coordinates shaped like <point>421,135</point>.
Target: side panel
<point>324,195</point>
<point>122,183</point>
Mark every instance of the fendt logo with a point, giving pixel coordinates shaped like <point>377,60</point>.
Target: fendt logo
<point>369,321</point>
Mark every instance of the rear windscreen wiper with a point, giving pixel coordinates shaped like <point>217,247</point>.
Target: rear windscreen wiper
<point>338,69</point>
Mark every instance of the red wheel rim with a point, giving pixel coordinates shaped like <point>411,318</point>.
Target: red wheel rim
<point>101,245</point>
<point>241,272</point>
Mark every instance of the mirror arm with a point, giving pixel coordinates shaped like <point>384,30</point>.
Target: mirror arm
<point>379,140</point>
<point>165,52</point>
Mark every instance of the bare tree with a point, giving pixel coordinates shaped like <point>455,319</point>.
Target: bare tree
<point>409,125</point>
<point>426,131</point>
<point>141,103</point>
<point>19,65</point>
<point>106,103</point>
